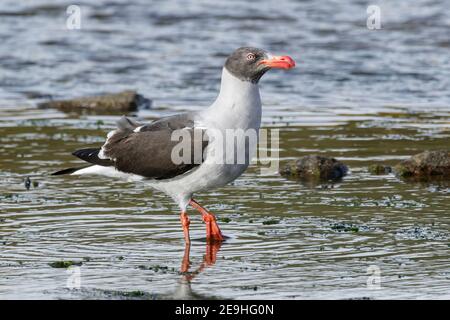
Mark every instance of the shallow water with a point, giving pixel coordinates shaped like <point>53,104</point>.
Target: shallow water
<point>353,96</point>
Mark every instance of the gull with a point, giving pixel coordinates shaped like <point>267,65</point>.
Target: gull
<point>145,152</point>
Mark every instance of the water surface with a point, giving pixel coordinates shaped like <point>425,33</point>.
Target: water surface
<point>358,95</point>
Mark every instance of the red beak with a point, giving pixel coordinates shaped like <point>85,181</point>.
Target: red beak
<point>281,62</point>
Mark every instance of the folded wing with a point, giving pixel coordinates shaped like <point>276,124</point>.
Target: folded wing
<point>146,150</point>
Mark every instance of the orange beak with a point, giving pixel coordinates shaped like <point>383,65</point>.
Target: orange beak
<point>281,62</point>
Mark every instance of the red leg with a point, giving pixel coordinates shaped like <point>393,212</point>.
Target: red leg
<point>213,232</point>
<point>185,222</point>
<point>186,263</point>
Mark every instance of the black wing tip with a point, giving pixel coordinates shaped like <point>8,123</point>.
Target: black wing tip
<point>66,171</point>
<point>91,155</point>
<point>86,153</point>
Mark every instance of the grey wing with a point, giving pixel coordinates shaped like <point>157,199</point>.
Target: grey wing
<point>146,150</point>
<point>178,121</point>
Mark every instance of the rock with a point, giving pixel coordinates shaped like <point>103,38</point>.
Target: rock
<point>427,164</point>
<point>64,264</point>
<point>314,167</point>
<point>344,227</point>
<point>379,169</point>
<point>117,102</point>
<point>27,183</point>
<point>272,221</point>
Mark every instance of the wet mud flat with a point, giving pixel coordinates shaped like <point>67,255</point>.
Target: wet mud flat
<point>288,239</point>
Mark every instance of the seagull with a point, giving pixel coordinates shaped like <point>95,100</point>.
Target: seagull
<point>145,152</point>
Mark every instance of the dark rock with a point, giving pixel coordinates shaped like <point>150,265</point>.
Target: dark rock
<point>427,164</point>
<point>343,227</point>
<point>225,219</point>
<point>421,233</point>
<point>379,169</point>
<point>118,102</point>
<point>269,222</point>
<point>314,167</point>
<point>64,264</point>
<point>27,183</point>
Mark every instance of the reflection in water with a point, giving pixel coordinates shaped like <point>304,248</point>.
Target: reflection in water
<point>184,290</point>
<point>400,226</point>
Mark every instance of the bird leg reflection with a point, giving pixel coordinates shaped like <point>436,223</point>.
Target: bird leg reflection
<point>209,259</point>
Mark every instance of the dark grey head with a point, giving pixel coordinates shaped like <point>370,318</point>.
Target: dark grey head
<point>250,64</point>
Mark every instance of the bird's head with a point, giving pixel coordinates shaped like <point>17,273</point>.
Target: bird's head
<point>250,64</point>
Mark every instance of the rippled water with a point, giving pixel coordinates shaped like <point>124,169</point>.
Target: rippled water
<point>361,96</point>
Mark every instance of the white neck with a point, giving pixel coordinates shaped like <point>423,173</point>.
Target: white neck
<point>238,104</point>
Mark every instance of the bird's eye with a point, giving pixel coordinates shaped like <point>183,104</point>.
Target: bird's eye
<point>251,56</point>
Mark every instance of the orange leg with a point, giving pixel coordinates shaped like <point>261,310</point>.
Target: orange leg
<point>213,232</point>
<point>185,222</point>
<point>186,263</point>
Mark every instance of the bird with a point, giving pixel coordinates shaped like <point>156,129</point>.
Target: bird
<point>145,151</point>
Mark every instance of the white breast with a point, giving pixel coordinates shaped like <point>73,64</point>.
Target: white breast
<point>238,106</point>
